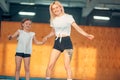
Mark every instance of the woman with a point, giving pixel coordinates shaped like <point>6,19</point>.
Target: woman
<point>24,47</point>
<point>61,27</point>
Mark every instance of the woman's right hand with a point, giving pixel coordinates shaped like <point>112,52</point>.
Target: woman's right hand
<point>44,39</point>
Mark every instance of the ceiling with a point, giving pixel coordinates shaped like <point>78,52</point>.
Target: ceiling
<point>87,5</point>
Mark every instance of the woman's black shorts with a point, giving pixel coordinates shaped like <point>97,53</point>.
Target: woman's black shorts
<point>64,43</point>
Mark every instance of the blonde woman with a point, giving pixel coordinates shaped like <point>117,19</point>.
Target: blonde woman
<point>61,27</point>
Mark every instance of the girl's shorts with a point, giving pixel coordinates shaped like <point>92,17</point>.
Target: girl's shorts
<point>22,55</point>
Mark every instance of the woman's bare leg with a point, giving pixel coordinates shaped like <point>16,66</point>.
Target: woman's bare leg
<point>53,58</point>
<point>67,59</point>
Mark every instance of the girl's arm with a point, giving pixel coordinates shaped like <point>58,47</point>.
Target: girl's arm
<point>36,41</point>
<point>52,33</point>
<point>14,35</point>
<point>81,31</point>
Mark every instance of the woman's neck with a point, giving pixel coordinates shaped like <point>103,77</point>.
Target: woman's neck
<point>60,15</point>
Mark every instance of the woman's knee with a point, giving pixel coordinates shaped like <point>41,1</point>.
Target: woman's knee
<point>67,66</point>
<point>50,67</point>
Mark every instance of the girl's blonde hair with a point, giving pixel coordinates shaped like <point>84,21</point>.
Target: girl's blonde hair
<point>52,16</point>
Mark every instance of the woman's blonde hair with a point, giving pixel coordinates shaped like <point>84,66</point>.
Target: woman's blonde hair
<point>52,16</point>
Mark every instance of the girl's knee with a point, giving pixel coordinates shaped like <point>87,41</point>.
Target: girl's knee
<point>27,70</point>
<point>18,69</point>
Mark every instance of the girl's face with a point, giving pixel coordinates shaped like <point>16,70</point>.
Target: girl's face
<point>27,25</point>
<point>56,9</point>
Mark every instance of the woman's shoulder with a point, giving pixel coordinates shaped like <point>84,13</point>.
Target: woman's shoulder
<point>68,15</point>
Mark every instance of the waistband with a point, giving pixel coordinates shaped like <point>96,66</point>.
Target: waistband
<point>60,38</point>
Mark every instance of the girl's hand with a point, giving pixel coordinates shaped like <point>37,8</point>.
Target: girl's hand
<point>41,43</point>
<point>89,36</point>
<point>9,37</point>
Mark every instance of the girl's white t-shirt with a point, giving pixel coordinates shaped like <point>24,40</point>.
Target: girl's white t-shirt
<point>62,24</point>
<point>25,42</point>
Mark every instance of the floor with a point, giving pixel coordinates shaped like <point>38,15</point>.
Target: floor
<point>22,78</point>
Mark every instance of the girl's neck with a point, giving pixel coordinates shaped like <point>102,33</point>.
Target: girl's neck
<point>26,30</point>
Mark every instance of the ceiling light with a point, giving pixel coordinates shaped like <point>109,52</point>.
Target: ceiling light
<point>101,8</point>
<point>25,3</point>
<point>27,13</point>
<point>101,17</point>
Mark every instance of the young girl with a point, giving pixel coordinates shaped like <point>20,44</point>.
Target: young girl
<point>24,47</point>
<point>61,27</point>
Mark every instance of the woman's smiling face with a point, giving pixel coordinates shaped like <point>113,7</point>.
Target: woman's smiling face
<point>56,9</point>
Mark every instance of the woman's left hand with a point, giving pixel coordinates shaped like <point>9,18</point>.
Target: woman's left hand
<point>89,36</point>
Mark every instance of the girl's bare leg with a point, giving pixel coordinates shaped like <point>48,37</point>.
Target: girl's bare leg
<point>27,65</point>
<point>18,61</point>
